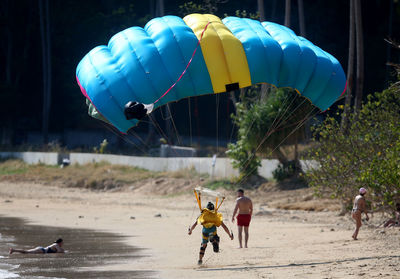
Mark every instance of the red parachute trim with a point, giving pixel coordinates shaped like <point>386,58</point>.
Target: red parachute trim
<point>187,66</point>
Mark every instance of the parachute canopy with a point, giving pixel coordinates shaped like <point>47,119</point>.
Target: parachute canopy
<point>141,64</point>
<point>201,191</point>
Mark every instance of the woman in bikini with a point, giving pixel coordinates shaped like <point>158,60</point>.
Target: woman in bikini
<point>358,208</point>
<point>56,247</point>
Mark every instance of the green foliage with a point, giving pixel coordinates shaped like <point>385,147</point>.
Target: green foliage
<point>207,7</point>
<point>265,123</point>
<point>284,171</point>
<point>244,159</point>
<point>366,154</point>
<point>103,147</point>
<point>223,183</point>
<point>12,166</point>
<point>245,14</point>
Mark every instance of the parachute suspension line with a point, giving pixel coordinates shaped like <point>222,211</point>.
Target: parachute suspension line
<point>111,129</point>
<point>187,66</point>
<point>217,118</point>
<point>270,132</point>
<point>277,117</point>
<point>161,132</point>
<point>271,129</point>
<point>190,122</point>
<point>198,198</point>
<point>139,138</point>
<point>232,131</point>
<point>304,120</point>
<point>173,124</point>
<point>280,126</point>
<point>218,206</point>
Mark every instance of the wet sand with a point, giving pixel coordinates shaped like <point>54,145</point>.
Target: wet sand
<point>88,252</point>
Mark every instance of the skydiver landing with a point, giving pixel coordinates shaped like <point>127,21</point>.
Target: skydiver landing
<point>210,219</point>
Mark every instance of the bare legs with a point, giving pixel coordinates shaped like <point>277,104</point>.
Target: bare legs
<point>246,236</point>
<point>201,254</point>
<point>357,217</point>
<point>37,250</point>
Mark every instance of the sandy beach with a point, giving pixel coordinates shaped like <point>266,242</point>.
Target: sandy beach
<point>283,243</point>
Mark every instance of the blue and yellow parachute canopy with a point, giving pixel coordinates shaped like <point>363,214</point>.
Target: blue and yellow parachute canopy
<point>141,64</point>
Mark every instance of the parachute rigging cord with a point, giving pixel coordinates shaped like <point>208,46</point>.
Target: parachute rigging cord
<point>134,110</point>
<point>300,124</point>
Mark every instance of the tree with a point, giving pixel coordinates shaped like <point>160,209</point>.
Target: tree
<point>15,50</point>
<point>360,55</point>
<point>366,156</point>
<point>261,10</point>
<point>265,125</point>
<point>302,22</point>
<point>350,69</point>
<point>46,65</point>
<point>288,8</point>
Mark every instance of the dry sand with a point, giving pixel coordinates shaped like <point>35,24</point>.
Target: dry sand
<point>283,243</point>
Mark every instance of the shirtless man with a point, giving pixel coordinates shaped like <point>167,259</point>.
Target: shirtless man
<point>245,207</point>
<point>358,208</point>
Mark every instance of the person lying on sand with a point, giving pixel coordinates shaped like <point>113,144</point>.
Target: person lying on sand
<point>396,220</point>
<point>358,208</point>
<point>56,247</point>
<point>210,220</point>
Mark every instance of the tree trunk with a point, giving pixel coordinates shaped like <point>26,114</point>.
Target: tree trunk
<point>8,41</point>
<point>302,22</point>
<point>48,57</point>
<point>167,112</point>
<point>280,156</point>
<point>360,55</point>
<point>260,7</point>
<point>273,9</point>
<point>157,10</point>
<point>287,13</point>
<point>350,70</point>
<point>261,10</point>
<point>389,47</point>
<point>43,36</point>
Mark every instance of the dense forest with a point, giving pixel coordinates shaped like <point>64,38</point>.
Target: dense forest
<point>43,42</point>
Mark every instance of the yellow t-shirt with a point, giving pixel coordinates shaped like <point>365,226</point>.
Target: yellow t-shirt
<point>209,218</point>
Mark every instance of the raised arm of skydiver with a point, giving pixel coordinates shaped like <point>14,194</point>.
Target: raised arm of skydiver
<point>192,227</point>
<point>226,230</point>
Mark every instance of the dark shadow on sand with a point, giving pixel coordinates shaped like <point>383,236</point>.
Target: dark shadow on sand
<point>296,264</point>
<point>87,250</point>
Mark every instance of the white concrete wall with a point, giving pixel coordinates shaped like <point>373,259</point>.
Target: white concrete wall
<point>47,158</point>
<point>222,168</point>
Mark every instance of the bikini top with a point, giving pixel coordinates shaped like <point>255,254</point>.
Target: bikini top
<point>356,203</point>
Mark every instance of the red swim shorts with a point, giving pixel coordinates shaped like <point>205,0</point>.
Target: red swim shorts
<point>243,220</point>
